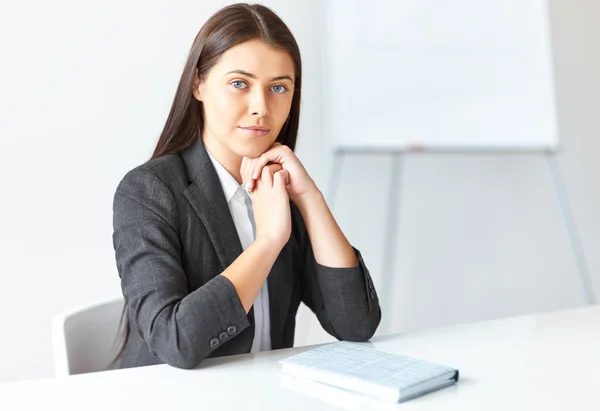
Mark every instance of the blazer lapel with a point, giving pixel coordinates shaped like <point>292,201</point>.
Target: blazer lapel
<point>207,198</point>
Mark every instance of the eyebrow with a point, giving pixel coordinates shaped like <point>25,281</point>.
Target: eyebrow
<point>245,73</point>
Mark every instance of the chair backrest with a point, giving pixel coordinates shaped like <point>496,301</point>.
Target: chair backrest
<point>86,339</point>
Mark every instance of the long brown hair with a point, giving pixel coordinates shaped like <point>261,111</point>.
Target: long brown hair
<point>226,28</point>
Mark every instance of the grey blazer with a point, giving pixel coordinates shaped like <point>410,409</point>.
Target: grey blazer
<point>173,236</point>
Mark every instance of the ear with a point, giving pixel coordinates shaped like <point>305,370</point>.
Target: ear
<point>197,86</point>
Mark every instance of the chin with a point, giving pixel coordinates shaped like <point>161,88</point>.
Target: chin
<point>253,149</point>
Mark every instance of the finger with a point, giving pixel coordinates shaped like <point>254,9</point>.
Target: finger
<point>267,176</point>
<point>258,165</point>
<point>256,169</point>
<point>274,167</point>
<point>249,167</point>
<point>248,173</point>
<point>280,179</point>
<point>254,194</point>
<point>285,175</point>
<point>273,155</point>
<point>244,170</point>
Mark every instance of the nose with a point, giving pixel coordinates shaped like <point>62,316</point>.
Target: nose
<point>259,106</point>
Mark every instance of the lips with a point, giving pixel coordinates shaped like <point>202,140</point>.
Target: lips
<point>256,128</point>
<point>256,131</point>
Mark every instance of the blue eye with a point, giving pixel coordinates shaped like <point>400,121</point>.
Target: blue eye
<point>238,84</point>
<point>279,89</point>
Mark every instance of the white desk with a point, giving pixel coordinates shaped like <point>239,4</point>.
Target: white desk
<point>540,362</point>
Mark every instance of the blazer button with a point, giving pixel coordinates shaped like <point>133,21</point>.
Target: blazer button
<point>214,343</point>
<point>370,284</point>
<point>231,330</point>
<point>373,294</point>
<point>223,336</point>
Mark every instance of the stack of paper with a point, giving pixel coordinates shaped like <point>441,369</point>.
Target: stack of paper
<point>367,371</point>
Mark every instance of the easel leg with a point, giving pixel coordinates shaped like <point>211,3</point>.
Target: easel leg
<point>388,273</point>
<point>571,227</point>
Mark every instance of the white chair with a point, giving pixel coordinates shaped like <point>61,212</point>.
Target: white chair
<point>87,339</point>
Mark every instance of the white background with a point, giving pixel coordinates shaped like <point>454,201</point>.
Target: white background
<point>85,90</point>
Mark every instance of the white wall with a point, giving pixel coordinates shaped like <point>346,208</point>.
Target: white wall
<point>84,97</point>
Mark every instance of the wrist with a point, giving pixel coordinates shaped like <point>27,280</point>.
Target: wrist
<point>269,244</point>
<point>304,200</point>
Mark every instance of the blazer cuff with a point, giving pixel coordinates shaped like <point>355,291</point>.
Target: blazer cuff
<point>226,314</point>
<point>341,282</point>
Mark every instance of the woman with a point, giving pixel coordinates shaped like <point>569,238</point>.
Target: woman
<point>210,269</point>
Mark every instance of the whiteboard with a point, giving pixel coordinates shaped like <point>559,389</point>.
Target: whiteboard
<point>441,74</point>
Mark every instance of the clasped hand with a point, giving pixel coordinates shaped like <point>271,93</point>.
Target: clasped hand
<point>274,178</point>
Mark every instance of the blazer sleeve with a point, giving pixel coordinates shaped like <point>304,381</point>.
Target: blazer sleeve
<point>343,299</point>
<point>177,325</point>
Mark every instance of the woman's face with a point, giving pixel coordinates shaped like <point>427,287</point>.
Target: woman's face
<point>247,96</point>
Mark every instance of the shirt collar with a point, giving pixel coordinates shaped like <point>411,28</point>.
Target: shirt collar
<point>229,184</point>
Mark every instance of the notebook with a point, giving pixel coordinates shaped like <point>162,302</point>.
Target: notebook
<point>367,371</point>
